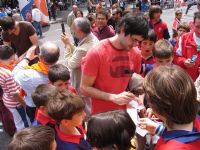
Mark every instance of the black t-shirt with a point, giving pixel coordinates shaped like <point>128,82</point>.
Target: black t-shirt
<point>21,41</point>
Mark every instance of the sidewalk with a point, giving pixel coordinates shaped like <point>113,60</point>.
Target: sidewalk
<point>62,15</point>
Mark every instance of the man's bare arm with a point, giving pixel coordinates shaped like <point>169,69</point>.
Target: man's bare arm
<point>87,89</point>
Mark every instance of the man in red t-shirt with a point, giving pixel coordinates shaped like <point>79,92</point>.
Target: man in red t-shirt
<point>107,68</point>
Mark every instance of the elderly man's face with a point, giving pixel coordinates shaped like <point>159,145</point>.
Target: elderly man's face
<point>77,31</point>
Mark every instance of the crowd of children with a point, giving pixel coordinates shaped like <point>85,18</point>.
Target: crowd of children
<point>161,82</point>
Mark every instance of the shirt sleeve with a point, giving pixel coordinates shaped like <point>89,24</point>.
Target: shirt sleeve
<point>12,86</point>
<point>30,29</point>
<point>91,63</point>
<point>166,34</point>
<point>74,61</point>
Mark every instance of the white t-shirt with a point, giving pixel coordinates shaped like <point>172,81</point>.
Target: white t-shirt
<point>36,15</point>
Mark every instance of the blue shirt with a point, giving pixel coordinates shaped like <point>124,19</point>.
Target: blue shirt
<point>71,142</point>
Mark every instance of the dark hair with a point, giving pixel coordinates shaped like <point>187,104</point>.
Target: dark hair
<point>6,52</point>
<point>49,56</point>
<point>185,26</point>
<point>111,128</point>
<point>163,49</point>
<point>154,9</point>
<point>64,106</point>
<point>43,93</point>
<point>90,17</point>
<point>79,11</point>
<point>104,13</point>
<point>83,24</point>
<point>196,16</point>
<point>58,72</point>
<point>171,93</point>
<point>7,23</point>
<point>33,138</point>
<point>178,12</point>
<point>119,11</point>
<point>134,25</point>
<point>151,36</point>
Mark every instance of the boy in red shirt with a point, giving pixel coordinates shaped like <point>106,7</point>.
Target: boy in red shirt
<point>41,96</point>
<point>68,111</point>
<point>59,76</point>
<point>172,97</point>
<point>157,24</point>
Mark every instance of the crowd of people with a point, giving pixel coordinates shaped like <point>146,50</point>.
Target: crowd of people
<point>118,59</point>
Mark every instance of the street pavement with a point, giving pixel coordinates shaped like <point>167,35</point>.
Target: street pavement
<point>53,32</point>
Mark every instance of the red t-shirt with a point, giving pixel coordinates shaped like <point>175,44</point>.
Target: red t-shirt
<point>113,69</point>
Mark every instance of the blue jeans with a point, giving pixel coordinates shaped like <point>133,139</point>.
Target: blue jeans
<point>37,27</point>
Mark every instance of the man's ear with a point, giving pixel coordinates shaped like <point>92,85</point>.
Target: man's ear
<point>64,122</point>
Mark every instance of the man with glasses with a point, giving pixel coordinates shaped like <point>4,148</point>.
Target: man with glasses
<point>107,68</point>
<point>20,35</point>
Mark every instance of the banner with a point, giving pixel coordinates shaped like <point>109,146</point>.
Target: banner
<point>25,7</point>
<point>42,6</point>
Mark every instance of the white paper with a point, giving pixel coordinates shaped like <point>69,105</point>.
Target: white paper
<point>132,110</point>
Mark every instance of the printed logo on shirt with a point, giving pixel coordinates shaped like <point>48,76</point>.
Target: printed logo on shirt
<point>120,67</point>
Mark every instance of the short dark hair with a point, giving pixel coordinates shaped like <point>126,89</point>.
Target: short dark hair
<point>7,23</point>
<point>48,56</point>
<point>196,16</point>
<point>163,49</point>
<point>119,11</point>
<point>43,93</point>
<point>58,72</point>
<point>171,93</point>
<point>134,25</point>
<point>6,52</point>
<point>78,11</point>
<point>154,9</point>
<point>151,36</point>
<point>111,128</point>
<point>33,138</point>
<point>104,13</point>
<point>64,106</point>
<point>178,12</point>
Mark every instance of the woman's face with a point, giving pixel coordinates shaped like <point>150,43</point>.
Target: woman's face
<point>78,14</point>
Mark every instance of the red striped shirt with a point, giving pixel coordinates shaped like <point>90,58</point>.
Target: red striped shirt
<point>9,87</point>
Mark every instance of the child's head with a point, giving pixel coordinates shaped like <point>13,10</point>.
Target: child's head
<point>43,93</point>
<point>171,94</point>
<point>7,55</point>
<point>163,53</point>
<point>155,12</point>
<point>34,138</point>
<point>67,108</point>
<point>147,45</point>
<point>183,28</point>
<point>112,130</point>
<point>178,14</point>
<point>59,76</point>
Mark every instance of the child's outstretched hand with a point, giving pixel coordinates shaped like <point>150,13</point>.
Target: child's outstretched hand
<point>148,124</point>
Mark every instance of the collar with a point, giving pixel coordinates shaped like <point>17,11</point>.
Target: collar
<point>149,58</point>
<point>182,135</point>
<point>153,24</point>
<point>44,120</point>
<point>70,137</point>
<point>84,39</point>
<point>103,29</point>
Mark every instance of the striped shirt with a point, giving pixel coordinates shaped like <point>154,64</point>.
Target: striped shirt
<point>9,87</point>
